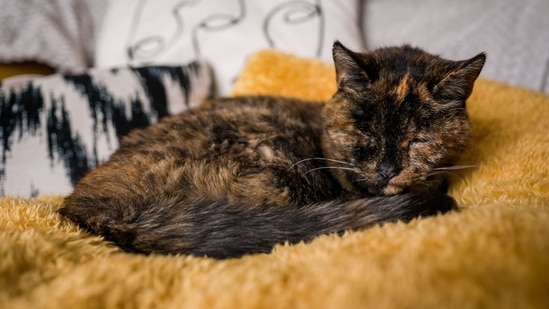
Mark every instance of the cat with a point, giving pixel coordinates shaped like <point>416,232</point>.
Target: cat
<point>239,175</point>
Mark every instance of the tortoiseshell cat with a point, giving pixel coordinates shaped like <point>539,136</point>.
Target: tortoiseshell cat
<point>240,175</point>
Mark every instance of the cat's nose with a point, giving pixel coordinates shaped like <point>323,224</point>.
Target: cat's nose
<point>387,170</point>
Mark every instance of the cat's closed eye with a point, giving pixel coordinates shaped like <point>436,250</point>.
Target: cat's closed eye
<point>370,141</point>
<point>415,142</point>
<point>368,148</point>
<point>419,140</point>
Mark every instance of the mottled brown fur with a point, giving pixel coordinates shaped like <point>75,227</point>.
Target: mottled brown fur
<point>239,175</point>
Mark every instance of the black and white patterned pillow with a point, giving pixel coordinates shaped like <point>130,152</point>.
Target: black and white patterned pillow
<point>54,129</point>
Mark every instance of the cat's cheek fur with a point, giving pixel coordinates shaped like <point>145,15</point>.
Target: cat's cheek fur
<point>339,143</point>
<point>453,142</point>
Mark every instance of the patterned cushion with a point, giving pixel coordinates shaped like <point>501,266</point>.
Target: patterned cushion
<point>55,129</point>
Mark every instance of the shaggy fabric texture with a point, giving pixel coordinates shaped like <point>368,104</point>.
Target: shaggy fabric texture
<point>490,254</point>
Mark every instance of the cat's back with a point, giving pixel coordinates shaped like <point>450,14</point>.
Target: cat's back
<point>221,126</point>
<point>242,149</point>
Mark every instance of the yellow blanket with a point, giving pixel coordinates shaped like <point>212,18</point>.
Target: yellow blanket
<point>493,253</point>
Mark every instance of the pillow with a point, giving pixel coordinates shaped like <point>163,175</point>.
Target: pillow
<point>224,32</point>
<point>269,72</point>
<point>55,129</point>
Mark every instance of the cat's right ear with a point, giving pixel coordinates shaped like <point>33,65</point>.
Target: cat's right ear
<point>458,84</point>
<point>350,72</point>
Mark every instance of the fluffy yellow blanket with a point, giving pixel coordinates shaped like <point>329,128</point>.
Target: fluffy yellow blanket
<point>493,253</point>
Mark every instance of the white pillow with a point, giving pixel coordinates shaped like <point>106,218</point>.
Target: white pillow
<point>224,32</point>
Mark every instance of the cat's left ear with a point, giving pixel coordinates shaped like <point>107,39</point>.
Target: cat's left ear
<point>458,84</point>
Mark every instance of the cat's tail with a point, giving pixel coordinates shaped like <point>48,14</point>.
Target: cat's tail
<point>224,230</point>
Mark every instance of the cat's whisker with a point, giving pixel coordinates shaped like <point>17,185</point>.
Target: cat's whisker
<point>455,167</point>
<point>319,158</point>
<point>449,169</point>
<point>327,167</point>
<point>433,173</point>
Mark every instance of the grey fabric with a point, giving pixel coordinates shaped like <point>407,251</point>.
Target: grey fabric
<point>515,34</point>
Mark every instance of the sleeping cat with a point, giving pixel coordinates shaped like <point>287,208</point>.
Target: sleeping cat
<point>239,175</point>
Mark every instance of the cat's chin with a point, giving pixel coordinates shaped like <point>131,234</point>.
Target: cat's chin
<point>386,189</point>
<point>392,190</point>
<point>378,190</point>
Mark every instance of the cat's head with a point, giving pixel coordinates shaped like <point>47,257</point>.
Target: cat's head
<point>398,115</point>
